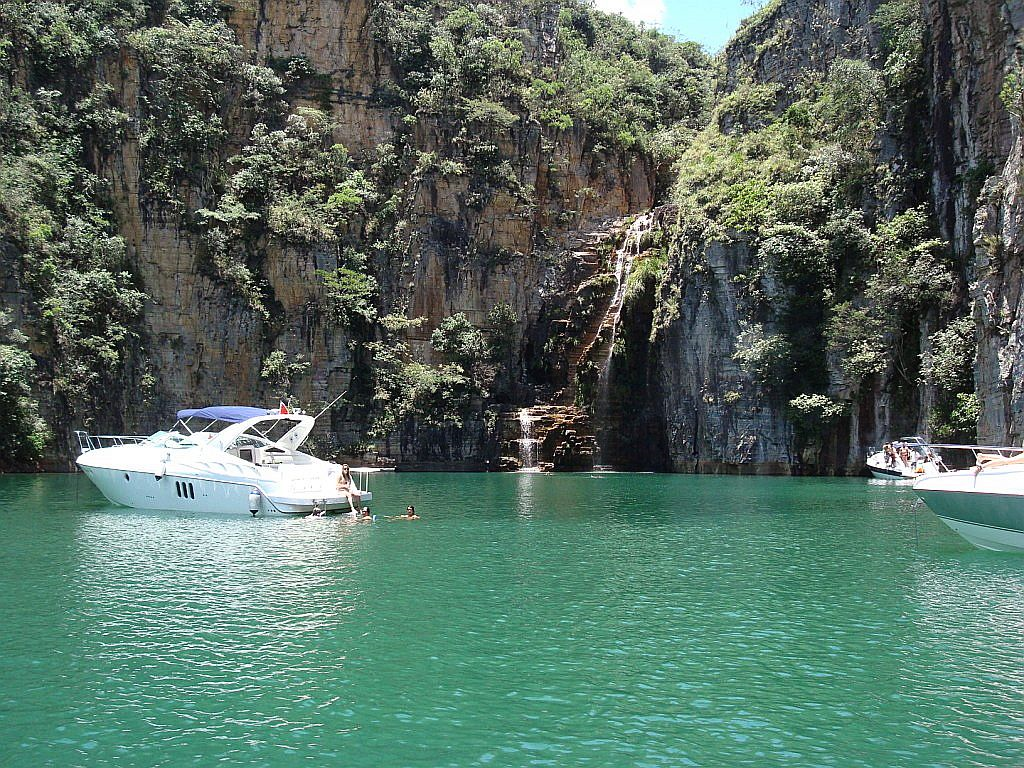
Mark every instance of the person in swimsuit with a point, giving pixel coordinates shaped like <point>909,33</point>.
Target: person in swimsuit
<point>348,486</point>
<point>993,460</point>
<point>410,514</point>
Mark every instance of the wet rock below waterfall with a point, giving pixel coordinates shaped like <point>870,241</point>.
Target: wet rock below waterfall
<point>563,436</point>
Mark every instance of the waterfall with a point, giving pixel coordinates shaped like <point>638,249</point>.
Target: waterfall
<point>624,258</point>
<point>528,444</point>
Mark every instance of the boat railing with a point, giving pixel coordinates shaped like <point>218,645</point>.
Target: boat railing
<point>979,448</point>
<point>87,442</point>
<point>1001,450</point>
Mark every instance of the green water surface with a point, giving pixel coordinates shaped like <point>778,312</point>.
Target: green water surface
<point>604,620</point>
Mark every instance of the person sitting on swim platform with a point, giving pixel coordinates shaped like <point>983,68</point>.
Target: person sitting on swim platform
<point>348,486</point>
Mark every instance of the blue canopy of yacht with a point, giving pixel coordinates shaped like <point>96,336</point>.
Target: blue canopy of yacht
<point>229,413</point>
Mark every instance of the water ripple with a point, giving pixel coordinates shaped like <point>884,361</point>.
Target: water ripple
<point>529,620</point>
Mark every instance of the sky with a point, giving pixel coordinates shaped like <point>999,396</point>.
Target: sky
<point>709,22</point>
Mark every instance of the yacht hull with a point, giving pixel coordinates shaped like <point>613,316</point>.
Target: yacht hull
<point>179,492</point>
<point>252,466</point>
<point>893,475</point>
<point>987,536</point>
<point>923,463</point>
<point>985,510</point>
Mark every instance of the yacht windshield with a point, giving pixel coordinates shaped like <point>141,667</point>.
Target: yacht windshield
<point>250,441</point>
<point>272,431</point>
<point>173,439</point>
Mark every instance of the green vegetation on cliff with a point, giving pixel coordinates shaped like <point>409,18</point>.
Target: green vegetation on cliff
<point>468,61</point>
<point>111,105</point>
<point>120,115</point>
<point>846,270</point>
<point>23,434</point>
<point>57,231</point>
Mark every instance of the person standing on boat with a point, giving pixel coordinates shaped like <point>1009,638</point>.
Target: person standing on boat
<point>890,455</point>
<point>348,486</point>
<point>905,455</point>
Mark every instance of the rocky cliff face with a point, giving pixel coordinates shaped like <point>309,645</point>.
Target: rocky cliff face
<point>717,416</point>
<point>787,41</point>
<point>458,250</point>
<point>497,198</point>
<point>976,53</point>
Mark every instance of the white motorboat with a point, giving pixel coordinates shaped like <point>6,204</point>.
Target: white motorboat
<point>986,507</point>
<point>920,460</point>
<point>245,460</point>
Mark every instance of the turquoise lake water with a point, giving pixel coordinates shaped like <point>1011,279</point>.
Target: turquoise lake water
<point>572,620</point>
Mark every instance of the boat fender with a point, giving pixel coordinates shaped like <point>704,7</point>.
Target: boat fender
<point>254,501</point>
<point>163,468</point>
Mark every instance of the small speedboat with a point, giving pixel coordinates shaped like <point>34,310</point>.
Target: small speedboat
<point>243,461</point>
<point>986,507</point>
<point>921,461</point>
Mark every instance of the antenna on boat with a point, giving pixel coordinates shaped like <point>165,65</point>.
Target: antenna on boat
<point>329,405</point>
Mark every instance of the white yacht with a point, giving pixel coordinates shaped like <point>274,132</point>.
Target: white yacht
<point>243,461</point>
<point>986,507</point>
<point>923,461</point>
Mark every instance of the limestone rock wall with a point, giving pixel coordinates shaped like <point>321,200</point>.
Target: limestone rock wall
<point>717,418</point>
<point>998,308</point>
<point>205,345</point>
<point>789,40</point>
<point>972,46</point>
<point>978,179</point>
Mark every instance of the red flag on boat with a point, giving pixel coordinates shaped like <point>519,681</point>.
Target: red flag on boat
<point>284,408</point>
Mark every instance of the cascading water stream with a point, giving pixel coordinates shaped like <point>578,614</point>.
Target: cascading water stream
<point>624,258</point>
<point>528,444</point>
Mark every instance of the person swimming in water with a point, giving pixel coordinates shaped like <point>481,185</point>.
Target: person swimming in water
<point>410,514</point>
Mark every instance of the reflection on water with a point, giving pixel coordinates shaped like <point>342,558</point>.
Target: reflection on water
<point>526,619</point>
<point>240,566</point>
<point>526,482</point>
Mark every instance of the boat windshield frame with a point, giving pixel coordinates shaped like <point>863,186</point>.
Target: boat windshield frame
<point>289,441</point>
